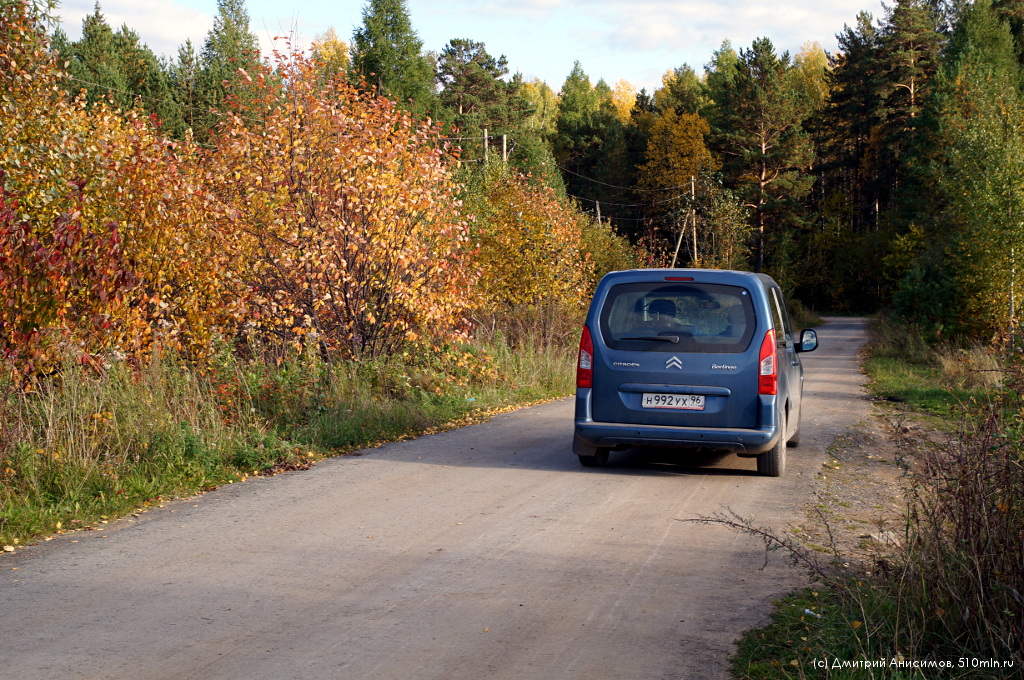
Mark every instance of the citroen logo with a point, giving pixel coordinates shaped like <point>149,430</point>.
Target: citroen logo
<point>674,362</point>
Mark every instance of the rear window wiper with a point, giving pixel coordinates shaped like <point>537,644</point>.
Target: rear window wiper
<point>674,339</point>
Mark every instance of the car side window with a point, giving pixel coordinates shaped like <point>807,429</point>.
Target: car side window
<point>780,320</point>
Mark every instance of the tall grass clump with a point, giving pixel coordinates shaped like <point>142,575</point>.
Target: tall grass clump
<point>78,446</point>
<point>937,379</point>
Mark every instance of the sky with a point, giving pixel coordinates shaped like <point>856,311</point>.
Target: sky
<point>634,40</point>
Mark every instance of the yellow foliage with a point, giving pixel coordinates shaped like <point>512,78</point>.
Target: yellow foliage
<point>530,241</point>
<point>331,53</point>
<point>321,213</point>
<point>114,180</point>
<point>676,153</point>
<point>624,99</point>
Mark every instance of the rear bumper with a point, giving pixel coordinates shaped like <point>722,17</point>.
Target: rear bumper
<point>617,435</point>
<point>741,441</point>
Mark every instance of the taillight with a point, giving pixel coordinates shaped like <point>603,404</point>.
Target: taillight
<point>585,365</point>
<point>768,365</point>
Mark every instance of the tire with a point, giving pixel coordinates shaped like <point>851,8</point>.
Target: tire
<point>773,462</point>
<point>599,459</point>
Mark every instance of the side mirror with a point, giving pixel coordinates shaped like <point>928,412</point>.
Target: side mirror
<point>808,340</point>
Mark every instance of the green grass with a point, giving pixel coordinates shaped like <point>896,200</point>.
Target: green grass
<point>934,380</point>
<point>80,449</point>
<point>920,387</point>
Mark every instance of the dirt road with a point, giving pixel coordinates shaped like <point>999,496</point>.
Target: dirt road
<point>485,552</point>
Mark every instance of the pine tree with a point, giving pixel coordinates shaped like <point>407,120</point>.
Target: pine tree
<point>229,46</point>
<point>910,44</point>
<point>94,64</point>
<point>848,123</point>
<point>1012,12</point>
<point>758,131</point>
<point>473,91</point>
<point>387,55</point>
<point>590,143</point>
<point>577,136</point>
<point>117,67</point>
<point>720,74</point>
<point>149,78</point>
<point>184,75</point>
<point>681,91</point>
<point>977,238</point>
<point>475,96</point>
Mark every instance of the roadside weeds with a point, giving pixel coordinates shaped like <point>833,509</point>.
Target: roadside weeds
<point>913,546</point>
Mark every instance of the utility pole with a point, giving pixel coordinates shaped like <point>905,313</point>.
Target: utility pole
<point>485,145</point>
<point>679,241</point>
<point>693,216</point>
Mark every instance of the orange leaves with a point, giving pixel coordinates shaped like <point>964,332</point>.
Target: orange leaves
<point>128,182</point>
<point>340,211</point>
<point>322,216</point>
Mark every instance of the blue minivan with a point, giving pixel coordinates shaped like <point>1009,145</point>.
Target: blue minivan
<point>694,359</point>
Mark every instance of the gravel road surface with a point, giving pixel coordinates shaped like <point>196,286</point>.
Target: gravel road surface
<point>481,553</point>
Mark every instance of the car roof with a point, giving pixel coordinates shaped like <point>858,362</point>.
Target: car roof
<point>721,276</point>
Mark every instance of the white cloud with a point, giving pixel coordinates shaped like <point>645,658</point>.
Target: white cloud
<point>162,25</point>
<point>651,36</point>
<point>540,10</point>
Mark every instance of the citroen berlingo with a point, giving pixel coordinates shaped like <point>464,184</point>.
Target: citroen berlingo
<point>689,359</point>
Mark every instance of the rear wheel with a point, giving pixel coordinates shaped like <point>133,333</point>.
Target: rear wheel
<point>773,463</point>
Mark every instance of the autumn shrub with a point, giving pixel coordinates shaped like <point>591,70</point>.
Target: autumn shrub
<point>303,287</point>
<point>609,251</point>
<point>115,178</point>
<point>100,176</point>
<point>950,588</point>
<point>539,258</point>
<point>529,241</point>
<point>343,213</point>
<point>62,290</point>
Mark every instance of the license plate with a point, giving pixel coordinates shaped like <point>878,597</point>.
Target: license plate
<point>685,402</point>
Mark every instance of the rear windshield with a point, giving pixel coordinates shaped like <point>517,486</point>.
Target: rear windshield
<point>678,317</point>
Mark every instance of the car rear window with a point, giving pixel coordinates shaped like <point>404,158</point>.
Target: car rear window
<point>678,317</point>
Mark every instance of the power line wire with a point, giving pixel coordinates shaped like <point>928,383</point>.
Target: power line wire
<point>613,186</point>
<point>628,205</point>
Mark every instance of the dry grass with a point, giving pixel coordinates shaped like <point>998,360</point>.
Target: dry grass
<point>976,367</point>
